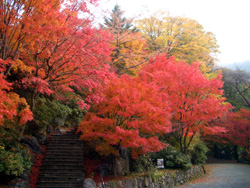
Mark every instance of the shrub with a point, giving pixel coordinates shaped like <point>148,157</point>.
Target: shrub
<point>173,158</point>
<point>143,164</point>
<point>198,154</point>
<point>14,158</point>
<point>50,111</point>
<point>14,161</point>
<point>55,112</point>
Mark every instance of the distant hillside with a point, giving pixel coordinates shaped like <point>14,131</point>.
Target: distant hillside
<point>245,65</point>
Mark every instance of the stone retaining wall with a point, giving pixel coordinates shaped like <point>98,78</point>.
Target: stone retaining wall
<point>161,180</point>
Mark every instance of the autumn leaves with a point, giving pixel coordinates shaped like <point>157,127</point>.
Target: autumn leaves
<point>166,96</point>
<point>126,77</point>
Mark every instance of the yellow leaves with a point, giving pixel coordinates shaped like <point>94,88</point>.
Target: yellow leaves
<point>20,66</point>
<point>181,37</point>
<point>129,53</point>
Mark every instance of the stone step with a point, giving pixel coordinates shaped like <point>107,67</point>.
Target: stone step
<point>58,151</point>
<point>62,167</point>
<point>61,173</point>
<point>61,181</point>
<point>61,150</point>
<point>62,163</point>
<point>58,140</point>
<point>63,159</point>
<point>65,140</point>
<point>59,184</point>
<point>65,136</point>
<point>62,142</point>
<point>61,178</point>
<point>76,149</point>
<point>67,144</point>
<point>64,147</point>
<point>64,155</point>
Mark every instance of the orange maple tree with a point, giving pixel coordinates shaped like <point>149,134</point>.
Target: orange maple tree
<point>52,46</point>
<point>12,107</point>
<point>132,115</point>
<point>195,100</point>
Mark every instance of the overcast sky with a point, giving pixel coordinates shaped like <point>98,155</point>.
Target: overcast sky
<point>229,20</point>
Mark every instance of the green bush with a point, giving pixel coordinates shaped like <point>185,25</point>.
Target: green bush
<point>57,113</point>
<point>172,158</point>
<point>245,155</point>
<point>14,158</point>
<point>14,161</point>
<point>50,111</point>
<point>143,164</point>
<point>198,154</point>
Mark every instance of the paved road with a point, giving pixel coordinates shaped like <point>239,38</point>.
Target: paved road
<point>224,175</point>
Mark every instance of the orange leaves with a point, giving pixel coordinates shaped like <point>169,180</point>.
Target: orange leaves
<point>18,65</point>
<point>11,106</point>
<point>25,115</point>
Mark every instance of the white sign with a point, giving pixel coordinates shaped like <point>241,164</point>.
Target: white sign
<point>160,163</point>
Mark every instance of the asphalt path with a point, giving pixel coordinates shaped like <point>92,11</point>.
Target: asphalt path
<point>223,175</point>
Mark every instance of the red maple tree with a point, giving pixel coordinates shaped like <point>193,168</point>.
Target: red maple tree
<point>237,125</point>
<point>195,100</point>
<point>12,107</point>
<point>132,115</point>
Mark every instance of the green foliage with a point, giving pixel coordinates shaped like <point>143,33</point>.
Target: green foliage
<point>233,97</point>
<point>9,136</point>
<point>50,111</point>
<point>14,161</point>
<point>229,149</point>
<point>56,113</point>
<point>76,115</point>
<point>245,155</point>
<point>198,154</point>
<point>14,158</point>
<point>143,164</point>
<point>172,158</point>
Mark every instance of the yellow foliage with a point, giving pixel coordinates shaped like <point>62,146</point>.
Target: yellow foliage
<point>20,66</point>
<point>181,37</point>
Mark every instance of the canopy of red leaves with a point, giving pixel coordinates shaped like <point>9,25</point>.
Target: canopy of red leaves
<point>194,99</point>
<point>132,115</point>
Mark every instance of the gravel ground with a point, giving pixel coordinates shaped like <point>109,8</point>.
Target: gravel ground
<point>223,175</point>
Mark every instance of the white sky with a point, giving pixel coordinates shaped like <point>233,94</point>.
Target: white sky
<point>229,20</point>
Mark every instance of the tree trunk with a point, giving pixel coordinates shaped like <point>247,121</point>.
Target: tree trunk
<point>121,163</point>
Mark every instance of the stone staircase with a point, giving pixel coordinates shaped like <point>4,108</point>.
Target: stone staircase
<point>63,163</point>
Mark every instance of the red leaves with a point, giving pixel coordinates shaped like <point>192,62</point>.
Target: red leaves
<point>194,99</point>
<point>38,84</point>
<point>135,110</point>
<point>131,115</point>
<point>35,169</point>
<point>238,126</point>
